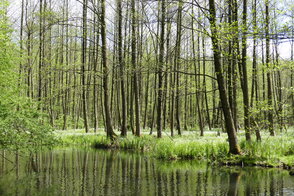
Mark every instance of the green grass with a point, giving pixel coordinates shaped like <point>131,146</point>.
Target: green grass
<point>199,149</point>
<point>98,141</point>
<point>271,151</point>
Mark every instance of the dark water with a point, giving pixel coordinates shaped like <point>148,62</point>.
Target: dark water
<point>90,172</point>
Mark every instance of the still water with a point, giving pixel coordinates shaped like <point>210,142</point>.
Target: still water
<point>92,172</point>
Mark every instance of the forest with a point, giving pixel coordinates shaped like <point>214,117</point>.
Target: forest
<point>174,80</point>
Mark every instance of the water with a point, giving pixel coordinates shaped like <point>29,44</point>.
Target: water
<point>91,172</point>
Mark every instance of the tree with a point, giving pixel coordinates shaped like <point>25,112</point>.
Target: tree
<point>254,88</point>
<point>83,65</point>
<point>108,121</point>
<point>135,68</point>
<point>267,62</point>
<point>197,80</point>
<point>160,69</point>
<point>122,70</point>
<point>230,128</point>
<point>177,66</point>
<point>244,77</point>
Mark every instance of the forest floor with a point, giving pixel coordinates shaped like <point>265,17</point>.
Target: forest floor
<point>277,151</point>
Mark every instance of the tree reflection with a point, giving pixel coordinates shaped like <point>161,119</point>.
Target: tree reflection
<point>78,172</point>
<point>234,183</point>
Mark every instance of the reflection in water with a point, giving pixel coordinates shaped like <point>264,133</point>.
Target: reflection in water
<point>234,183</point>
<point>90,172</point>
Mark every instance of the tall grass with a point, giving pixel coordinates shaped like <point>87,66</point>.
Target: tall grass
<point>190,150</point>
<point>269,148</point>
<point>271,151</point>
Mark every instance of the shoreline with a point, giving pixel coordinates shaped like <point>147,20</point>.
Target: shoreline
<point>212,149</point>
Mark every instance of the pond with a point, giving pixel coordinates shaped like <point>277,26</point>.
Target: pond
<point>95,172</point>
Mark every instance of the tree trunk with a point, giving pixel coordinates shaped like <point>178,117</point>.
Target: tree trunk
<point>135,69</point>
<point>254,88</point>
<point>109,130</point>
<point>197,85</point>
<point>244,78</point>
<point>160,69</point>
<point>267,62</point>
<point>96,62</point>
<point>40,53</point>
<point>233,142</point>
<point>177,66</point>
<point>122,78</point>
<point>84,61</point>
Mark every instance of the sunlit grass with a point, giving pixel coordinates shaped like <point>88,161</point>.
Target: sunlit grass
<point>271,151</point>
<point>199,149</point>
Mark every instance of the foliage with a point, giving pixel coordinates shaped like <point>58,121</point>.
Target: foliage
<point>21,124</point>
<point>23,127</point>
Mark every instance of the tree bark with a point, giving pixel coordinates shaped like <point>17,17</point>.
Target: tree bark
<point>135,69</point>
<point>160,69</point>
<point>121,64</point>
<point>177,66</point>
<point>254,88</point>
<point>108,121</point>
<point>84,61</point>
<point>267,62</point>
<point>230,128</point>
<point>244,78</point>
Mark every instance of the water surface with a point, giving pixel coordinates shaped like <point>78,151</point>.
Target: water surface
<point>92,172</point>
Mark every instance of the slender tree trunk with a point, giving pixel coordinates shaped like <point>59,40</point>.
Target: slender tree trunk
<point>65,91</point>
<point>122,78</point>
<point>168,76</point>
<point>204,82</point>
<point>235,61</point>
<point>160,69</point>
<point>233,142</point>
<point>84,61</point>
<point>75,78</point>
<point>21,44</point>
<point>146,99</point>
<point>244,78</point>
<point>197,85</point>
<point>29,44</point>
<point>109,130</point>
<point>135,69</point>
<point>40,53</point>
<point>267,62</point>
<point>279,92</point>
<point>177,65</point>
<point>186,101</point>
<point>96,62</point>
<point>254,87</point>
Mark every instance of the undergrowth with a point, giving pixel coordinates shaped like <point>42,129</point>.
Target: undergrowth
<point>271,151</point>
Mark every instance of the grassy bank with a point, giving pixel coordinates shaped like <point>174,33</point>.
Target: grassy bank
<point>275,151</point>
